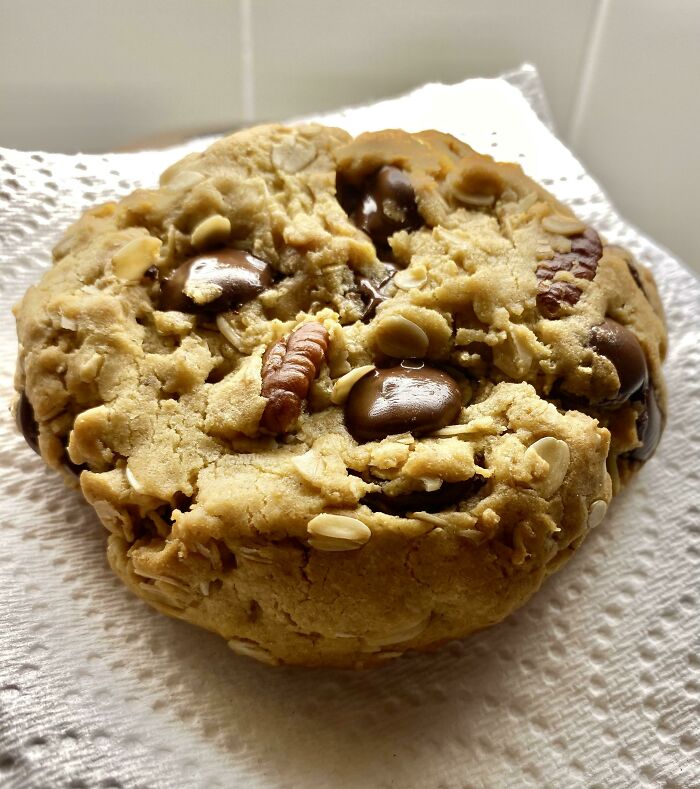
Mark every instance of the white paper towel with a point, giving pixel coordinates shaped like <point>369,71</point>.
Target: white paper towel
<point>595,683</point>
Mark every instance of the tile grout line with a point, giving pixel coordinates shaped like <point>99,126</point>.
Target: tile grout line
<point>247,74</point>
<point>587,70</point>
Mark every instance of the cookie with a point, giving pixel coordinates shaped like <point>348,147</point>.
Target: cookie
<point>336,398</point>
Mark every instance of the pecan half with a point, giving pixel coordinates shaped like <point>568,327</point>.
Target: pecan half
<point>582,262</point>
<point>289,366</point>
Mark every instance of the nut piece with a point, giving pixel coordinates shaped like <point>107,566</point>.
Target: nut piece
<point>406,633</point>
<point>478,201</point>
<point>410,278</point>
<point>289,366</point>
<point>185,180</point>
<point>251,649</point>
<point>342,387</point>
<point>211,230</point>
<point>292,155</point>
<point>453,430</point>
<point>557,456</point>
<point>132,260</point>
<point>564,225</point>
<point>131,479</point>
<point>329,532</point>
<point>401,338</point>
<point>582,261</point>
<point>596,513</point>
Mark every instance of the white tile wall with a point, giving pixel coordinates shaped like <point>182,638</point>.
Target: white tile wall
<point>637,124</point>
<point>314,55</point>
<point>97,74</point>
<point>623,76</point>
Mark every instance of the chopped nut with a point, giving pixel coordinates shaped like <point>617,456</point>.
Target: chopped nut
<point>410,278</point>
<point>256,555</point>
<point>330,532</point>
<point>544,251</point>
<point>132,260</point>
<point>473,535</point>
<point>242,646</point>
<point>158,597</point>
<point>557,456</point>
<point>289,366</point>
<point>478,201</point>
<point>453,430</point>
<point>131,479</point>
<point>581,261</point>
<point>564,225</point>
<point>401,338</point>
<point>89,370</point>
<point>292,155</point>
<point>342,387</point>
<point>527,202</point>
<point>227,331</point>
<point>212,230</point>
<point>428,517</point>
<point>185,180</point>
<point>406,633</point>
<point>596,513</point>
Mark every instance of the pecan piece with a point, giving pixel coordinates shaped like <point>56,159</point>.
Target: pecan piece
<point>289,366</point>
<point>582,262</point>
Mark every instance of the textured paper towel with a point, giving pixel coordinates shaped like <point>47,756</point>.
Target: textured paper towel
<point>596,682</point>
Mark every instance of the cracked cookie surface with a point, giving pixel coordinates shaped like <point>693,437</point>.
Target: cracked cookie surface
<point>338,398</point>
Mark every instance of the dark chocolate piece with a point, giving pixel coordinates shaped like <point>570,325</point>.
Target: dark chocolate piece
<point>236,277</point>
<point>622,348</point>
<point>410,397</point>
<point>372,293</point>
<point>448,494</point>
<point>383,205</point>
<point>650,426</point>
<point>26,422</point>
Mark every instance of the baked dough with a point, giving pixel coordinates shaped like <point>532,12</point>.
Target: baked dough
<point>336,398</point>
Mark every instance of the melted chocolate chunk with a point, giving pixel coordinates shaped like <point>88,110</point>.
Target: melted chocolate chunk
<point>623,349</point>
<point>26,422</point>
<point>220,280</point>
<point>581,261</point>
<point>383,205</point>
<point>372,294</point>
<point>650,426</point>
<point>448,494</point>
<point>411,397</point>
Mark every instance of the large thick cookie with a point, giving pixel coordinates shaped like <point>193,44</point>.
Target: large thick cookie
<point>338,398</point>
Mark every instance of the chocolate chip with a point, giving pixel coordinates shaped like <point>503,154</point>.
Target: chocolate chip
<point>409,397</point>
<point>650,426</point>
<point>218,281</point>
<point>581,261</point>
<point>623,349</point>
<point>371,291</point>
<point>26,422</point>
<point>634,271</point>
<point>385,204</point>
<point>151,274</point>
<point>448,494</point>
